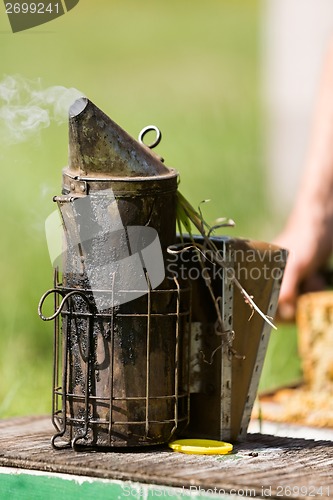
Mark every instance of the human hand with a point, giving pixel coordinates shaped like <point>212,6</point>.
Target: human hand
<point>309,248</point>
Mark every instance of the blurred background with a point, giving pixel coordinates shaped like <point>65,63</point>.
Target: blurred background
<point>218,78</point>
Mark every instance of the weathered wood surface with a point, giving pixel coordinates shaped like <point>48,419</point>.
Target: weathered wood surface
<point>265,465</point>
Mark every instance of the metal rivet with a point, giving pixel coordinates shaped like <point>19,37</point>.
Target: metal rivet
<point>72,186</point>
<point>82,188</point>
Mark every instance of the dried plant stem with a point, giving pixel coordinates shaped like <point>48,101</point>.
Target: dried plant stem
<point>187,214</point>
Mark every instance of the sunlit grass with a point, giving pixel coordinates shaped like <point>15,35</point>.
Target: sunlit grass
<point>282,365</point>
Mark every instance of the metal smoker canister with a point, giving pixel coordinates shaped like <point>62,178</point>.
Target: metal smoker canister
<point>120,367</point>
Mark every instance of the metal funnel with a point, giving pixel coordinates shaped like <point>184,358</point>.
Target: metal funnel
<point>98,147</point>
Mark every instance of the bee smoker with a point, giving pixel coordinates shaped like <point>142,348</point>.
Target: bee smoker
<point>121,374</point>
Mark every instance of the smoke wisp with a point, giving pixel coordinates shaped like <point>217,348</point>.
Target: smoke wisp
<point>26,107</point>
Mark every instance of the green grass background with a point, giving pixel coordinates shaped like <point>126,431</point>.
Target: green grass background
<point>190,67</point>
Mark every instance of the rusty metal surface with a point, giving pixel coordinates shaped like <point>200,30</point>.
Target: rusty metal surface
<point>99,147</point>
<point>122,380</point>
<point>120,376</point>
<point>120,373</point>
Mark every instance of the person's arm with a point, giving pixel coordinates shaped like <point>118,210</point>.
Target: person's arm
<point>308,233</point>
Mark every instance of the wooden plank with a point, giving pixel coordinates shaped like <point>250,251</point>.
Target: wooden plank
<point>264,465</point>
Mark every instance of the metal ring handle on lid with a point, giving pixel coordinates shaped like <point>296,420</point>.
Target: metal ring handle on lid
<point>147,129</point>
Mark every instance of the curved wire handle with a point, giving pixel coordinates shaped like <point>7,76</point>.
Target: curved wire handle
<point>62,303</point>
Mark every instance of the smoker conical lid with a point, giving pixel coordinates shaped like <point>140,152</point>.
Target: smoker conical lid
<point>98,147</point>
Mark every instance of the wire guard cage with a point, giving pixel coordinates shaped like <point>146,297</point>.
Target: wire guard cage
<point>120,376</point>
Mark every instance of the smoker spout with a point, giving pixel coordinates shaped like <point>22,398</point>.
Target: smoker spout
<point>98,147</point>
